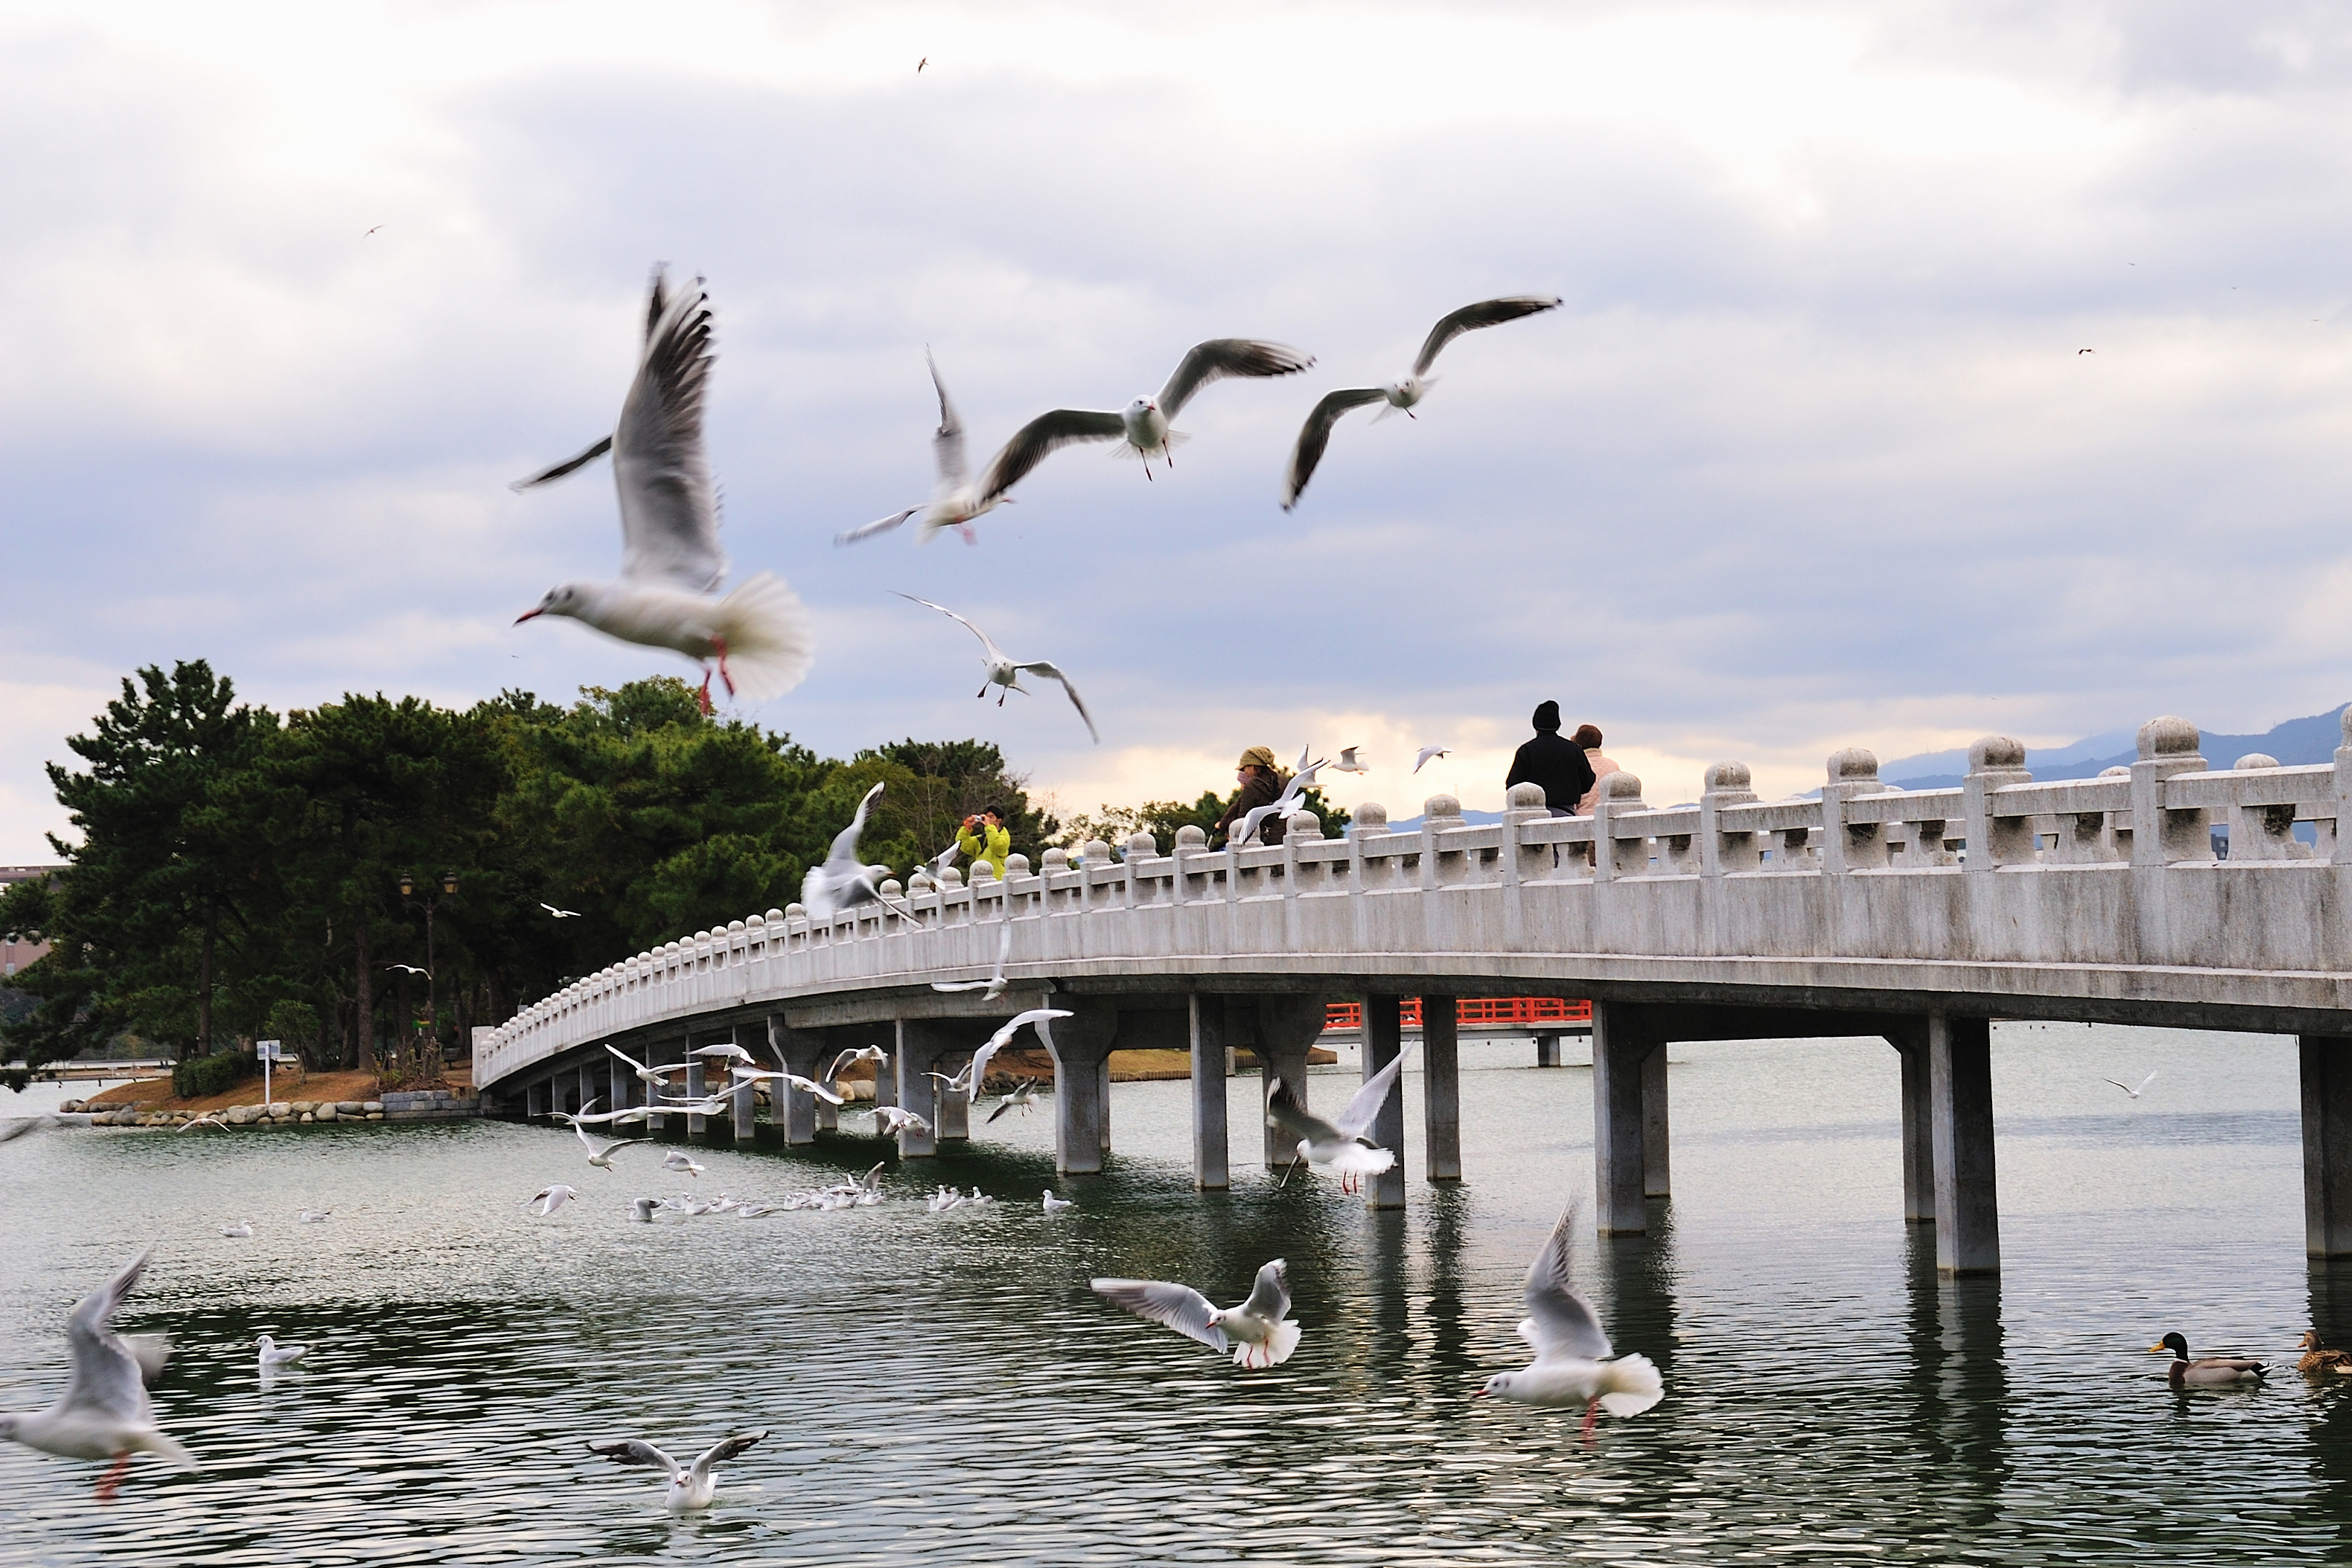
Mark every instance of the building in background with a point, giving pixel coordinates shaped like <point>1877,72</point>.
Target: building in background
<point>15,951</point>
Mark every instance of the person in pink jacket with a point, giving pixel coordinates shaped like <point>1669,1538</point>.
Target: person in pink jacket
<point>1589,737</point>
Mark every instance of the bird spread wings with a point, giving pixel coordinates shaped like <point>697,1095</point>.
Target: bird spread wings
<point>107,1374</point>
<point>1039,439</point>
<point>995,983</point>
<point>1559,1321</point>
<point>569,465</point>
<point>670,513</point>
<point>1297,1121</point>
<point>1469,318</point>
<point>635,1451</point>
<point>1357,1120</point>
<point>995,654</point>
<point>1047,669</point>
<point>1180,1307</point>
<point>1316,434</point>
<point>1041,1016</point>
<point>726,1448</point>
<point>844,843</point>
<point>1221,357</point>
<point>1269,1297</point>
<point>947,443</point>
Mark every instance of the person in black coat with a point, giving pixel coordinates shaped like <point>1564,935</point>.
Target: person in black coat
<point>1559,765</point>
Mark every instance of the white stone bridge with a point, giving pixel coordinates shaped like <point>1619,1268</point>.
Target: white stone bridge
<point>1916,916</point>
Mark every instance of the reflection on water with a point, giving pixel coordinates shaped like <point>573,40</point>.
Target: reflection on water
<point>944,1387</point>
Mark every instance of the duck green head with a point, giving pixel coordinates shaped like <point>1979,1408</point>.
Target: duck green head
<point>2173,1342</point>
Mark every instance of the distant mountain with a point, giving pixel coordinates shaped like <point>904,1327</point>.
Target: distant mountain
<point>2312,740</point>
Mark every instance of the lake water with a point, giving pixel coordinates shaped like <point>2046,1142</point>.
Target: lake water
<point>944,1388</point>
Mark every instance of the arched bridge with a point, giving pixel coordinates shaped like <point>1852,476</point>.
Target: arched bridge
<point>1917,916</point>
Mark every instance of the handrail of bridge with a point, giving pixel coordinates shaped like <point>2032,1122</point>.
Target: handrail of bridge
<point>2153,814</point>
<point>1479,1012</point>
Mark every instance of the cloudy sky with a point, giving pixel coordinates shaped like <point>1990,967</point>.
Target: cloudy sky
<point>1808,458</point>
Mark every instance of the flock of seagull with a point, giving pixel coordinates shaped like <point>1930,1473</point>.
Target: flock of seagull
<point>758,640</point>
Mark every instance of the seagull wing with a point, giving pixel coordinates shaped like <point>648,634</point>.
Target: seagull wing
<point>866,531</point>
<point>1559,1321</point>
<point>995,654</point>
<point>1003,952</point>
<point>1046,670</point>
<point>2125,1086</point>
<point>1485,313</point>
<point>996,1042</point>
<point>1316,434</point>
<point>1426,752</point>
<point>1221,357</point>
<point>669,512</point>
<point>2145,1082</point>
<point>1041,438</point>
<point>1298,1123</point>
<point>724,1449</point>
<point>107,1374</point>
<point>1357,1120</point>
<point>635,1451</point>
<point>947,442</point>
<point>630,1059</point>
<point>1269,1297</point>
<point>569,465</point>
<point>1180,1307</point>
<point>844,843</point>
<point>809,1086</point>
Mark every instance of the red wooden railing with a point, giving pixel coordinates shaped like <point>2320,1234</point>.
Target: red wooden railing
<point>1505,1011</point>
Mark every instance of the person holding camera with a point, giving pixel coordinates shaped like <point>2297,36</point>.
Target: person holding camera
<point>984,837</point>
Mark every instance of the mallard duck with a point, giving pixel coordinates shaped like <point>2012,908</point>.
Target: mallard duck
<point>2207,1372</point>
<point>2317,1359</point>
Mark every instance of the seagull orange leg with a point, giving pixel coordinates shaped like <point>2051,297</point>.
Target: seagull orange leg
<point>1592,1406</point>
<point>109,1482</point>
<point>702,697</point>
<point>719,645</point>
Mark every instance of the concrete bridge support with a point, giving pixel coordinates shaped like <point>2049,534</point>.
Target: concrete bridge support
<point>1383,1039</point>
<point>794,1109</point>
<point>1211,1149</point>
<point>1657,1174</point>
<point>652,1056</point>
<point>1910,1043</point>
<point>1547,1050</point>
<point>955,1118</point>
<point>1620,1046</point>
<point>2327,1064</point>
<point>1441,1085</point>
<point>585,1076</point>
<point>620,1081</point>
<point>913,1058</point>
<point>1284,1028</point>
<point>696,1124</point>
<point>747,1126</point>
<point>1959,1089</point>
<point>1081,1049</point>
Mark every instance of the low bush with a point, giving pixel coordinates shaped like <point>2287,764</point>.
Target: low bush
<point>199,1076</point>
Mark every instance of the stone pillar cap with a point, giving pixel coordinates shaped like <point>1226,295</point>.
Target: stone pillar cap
<point>1439,806</point>
<point>1017,864</point>
<point>2166,736</point>
<point>1525,797</point>
<point>1140,846</point>
<point>1723,777</point>
<point>1369,813</point>
<point>1990,752</point>
<point>796,911</point>
<point>1302,824</point>
<point>1191,836</point>
<point>1621,785</point>
<point>1057,858</point>
<point>1853,763</point>
<point>2252,760</point>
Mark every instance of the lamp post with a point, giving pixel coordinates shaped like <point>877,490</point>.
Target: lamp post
<point>432,976</point>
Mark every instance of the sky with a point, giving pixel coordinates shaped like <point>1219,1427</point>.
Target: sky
<point>1810,457</point>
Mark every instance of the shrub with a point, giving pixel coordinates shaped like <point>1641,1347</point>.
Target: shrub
<point>199,1076</point>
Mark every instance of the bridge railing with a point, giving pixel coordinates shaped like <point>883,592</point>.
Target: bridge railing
<point>2155,812</point>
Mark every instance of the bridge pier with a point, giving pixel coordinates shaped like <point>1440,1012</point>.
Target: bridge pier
<point>747,1126</point>
<point>1441,1085</point>
<point>1547,1047</point>
<point>1081,1046</point>
<point>1959,1089</point>
<point>2326,1070</point>
<point>794,1109</point>
<point>1211,1149</point>
<point>954,1119</point>
<point>1620,1174</point>
<point>585,1075</point>
<point>654,1092</point>
<point>1384,1040</point>
<point>1657,1178</point>
<point>619,1080</point>
<point>697,1125</point>
<point>1286,1028</point>
<point>912,1058</point>
<point>1918,1126</point>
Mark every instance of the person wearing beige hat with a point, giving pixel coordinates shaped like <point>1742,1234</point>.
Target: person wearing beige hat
<point>1261,783</point>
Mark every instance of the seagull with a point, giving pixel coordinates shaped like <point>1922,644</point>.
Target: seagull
<point>2086,351</point>
<point>954,501</point>
<point>560,914</point>
<point>967,1082</point>
<point>274,1355</point>
<point>875,1054</point>
<point>679,1159</point>
<point>728,1048</point>
<point>642,1209</point>
<point>1004,673</point>
<point>652,1077</point>
<point>547,1200</point>
<point>1348,763</point>
<point>316,1216</point>
<point>209,1118</point>
<point>2127,1089</point>
<point>600,1156</point>
<point>690,1486</point>
<point>760,635</point>
<point>890,1118</point>
<point>1572,1363</point>
<point>411,969</point>
<point>1022,1097</point>
<point>841,883</point>
<point>1293,796</point>
<point>805,1085</point>
<point>1056,1205</point>
<point>1341,1144</point>
<point>370,231</point>
<point>1315,434</point>
<point>1258,1332</point>
<point>104,1412</point>
<point>608,1117</point>
<point>993,986</point>
<point>1422,760</point>
<point>243,1227</point>
<point>1141,427</point>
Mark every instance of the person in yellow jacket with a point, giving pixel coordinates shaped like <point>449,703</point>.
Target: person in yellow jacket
<point>984,837</point>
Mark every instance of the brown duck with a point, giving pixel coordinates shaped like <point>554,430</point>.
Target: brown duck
<point>2208,1372</point>
<point>2319,1361</point>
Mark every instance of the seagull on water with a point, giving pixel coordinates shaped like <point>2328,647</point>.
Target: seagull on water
<point>1341,1144</point>
<point>993,986</point>
<point>967,1082</point>
<point>548,1199</point>
<point>1426,752</point>
<point>243,1227</point>
<point>316,1216</point>
<point>1402,393</point>
<point>1258,1332</point>
<point>599,1155</point>
<point>104,1412</point>
<point>761,637</point>
<point>690,1486</point>
<point>1056,1205</point>
<point>642,1209</point>
<point>1141,427</point>
<point>1573,1363</point>
<point>891,1119</point>
<point>679,1159</point>
<point>274,1355</point>
<point>2127,1089</point>
<point>1006,673</point>
<point>955,499</point>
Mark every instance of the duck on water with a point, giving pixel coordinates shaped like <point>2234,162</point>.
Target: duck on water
<point>2208,1372</point>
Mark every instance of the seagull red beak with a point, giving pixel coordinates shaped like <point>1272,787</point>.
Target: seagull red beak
<point>1477,1394</point>
<point>526,615</point>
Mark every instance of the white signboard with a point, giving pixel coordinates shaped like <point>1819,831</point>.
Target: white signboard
<point>269,1050</point>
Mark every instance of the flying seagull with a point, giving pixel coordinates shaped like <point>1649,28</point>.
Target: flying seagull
<point>411,969</point>
<point>2127,1089</point>
<point>1403,392</point>
<point>690,1486</point>
<point>1004,673</point>
<point>652,1077</point>
<point>955,502</point>
<point>104,1412</point>
<point>805,1085</point>
<point>1293,796</point>
<point>891,1119</point>
<point>679,1159</point>
<point>1024,1096</point>
<point>1348,763</point>
<point>728,1048</point>
<point>560,914</point>
<point>1341,1144</point>
<point>548,1199</point>
<point>1426,752</point>
<point>993,986</point>
<point>1141,427</point>
<point>1573,1363</point>
<point>1258,1332</point>
<point>760,635</point>
<point>967,1082</point>
<point>875,1054</point>
<point>600,1156</point>
<point>841,883</point>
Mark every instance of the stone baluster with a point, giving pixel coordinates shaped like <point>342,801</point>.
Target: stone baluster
<point>1995,841</point>
<point>1848,846</point>
<point>1369,818</point>
<point>1619,851</point>
<point>2335,833</point>
<point>2161,838</point>
<point>1718,852</point>
<point>2262,832</point>
<point>1523,804</point>
<point>1439,813</point>
<point>1191,844</point>
<point>2117,835</point>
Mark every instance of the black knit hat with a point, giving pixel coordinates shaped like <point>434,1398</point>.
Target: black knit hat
<point>1548,715</point>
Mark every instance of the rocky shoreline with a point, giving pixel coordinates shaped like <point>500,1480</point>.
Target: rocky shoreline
<point>424,1105</point>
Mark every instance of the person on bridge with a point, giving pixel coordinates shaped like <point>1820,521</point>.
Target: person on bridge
<point>984,837</point>
<point>1589,737</point>
<point>1559,765</point>
<point>1261,783</point>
